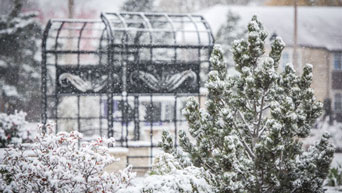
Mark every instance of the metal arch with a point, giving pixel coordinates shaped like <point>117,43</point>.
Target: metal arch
<point>123,65</point>
<point>44,75</point>
<point>211,40</point>
<point>149,27</point>
<point>107,26</point>
<point>151,100</point>
<point>100,45</point>
<point>147,21</point>
<point>209,31</point>
<point>110,56</point>
<point>175,103</point>
<point>68,20</point>
<point>56,61</point>
<point>150,32</point>
<point>124,41</point>
<point>196,27</point>
<point>57,36</point>
<point>79,42</point>
<point>78,64</point>
<point>174,35</point>
<point>101,64</point>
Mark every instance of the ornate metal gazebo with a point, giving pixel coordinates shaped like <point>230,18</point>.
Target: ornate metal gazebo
<point>103,77</point>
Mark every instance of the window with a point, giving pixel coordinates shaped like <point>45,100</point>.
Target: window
<point>338,102</point>
<point>287,57</point>
<point>337,61</point>
<point>153,111</point>
<point>168,111</point>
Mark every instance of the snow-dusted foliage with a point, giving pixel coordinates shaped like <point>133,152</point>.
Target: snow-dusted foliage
<point>226,35</point>
<point>12,130</point>
<point>168,175</point>
<point>335,176</point>
<point>55,163</point>
<point>247,137</point>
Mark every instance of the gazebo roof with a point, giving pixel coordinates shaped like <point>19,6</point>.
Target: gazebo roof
<point>129,29</point>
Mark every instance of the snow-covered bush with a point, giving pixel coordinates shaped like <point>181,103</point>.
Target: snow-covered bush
<point>12,130</point>
<point>56,163</point>
<point>247,137</point>
<point>335,176</point>
<point>168,175</point>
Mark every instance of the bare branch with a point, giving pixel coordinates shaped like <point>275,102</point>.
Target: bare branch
<point>249,151</point>
<point>245,122</point>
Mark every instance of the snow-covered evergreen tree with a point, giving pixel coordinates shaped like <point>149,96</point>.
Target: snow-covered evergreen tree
<point>248,137</point>
<point>138,6</point>
<point>226,35</point>
<point>19,66</point>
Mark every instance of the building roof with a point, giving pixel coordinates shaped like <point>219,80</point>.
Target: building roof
<point>319,27</point>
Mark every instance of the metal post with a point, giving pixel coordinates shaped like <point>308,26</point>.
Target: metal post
<point>44,76</point>
<point>56,64</point>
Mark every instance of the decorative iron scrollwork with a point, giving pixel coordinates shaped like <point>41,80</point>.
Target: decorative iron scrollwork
<point>86,80</point>
<point>66,79</point>
<point>166,82</point>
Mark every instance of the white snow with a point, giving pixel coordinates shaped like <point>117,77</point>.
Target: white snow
<point>10,91</point>
<point>3,64</point>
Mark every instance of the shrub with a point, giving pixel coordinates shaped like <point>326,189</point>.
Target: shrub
<point>335,176</point>
<point>59,163</point>
<point>11,129</point>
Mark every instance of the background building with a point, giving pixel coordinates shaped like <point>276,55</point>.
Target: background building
<point>319,41</point>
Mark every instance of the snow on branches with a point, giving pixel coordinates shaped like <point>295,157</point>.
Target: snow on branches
<point>247,137</point>
<point>56,163</point>
<point>168,175</point>
<point>12,130</point>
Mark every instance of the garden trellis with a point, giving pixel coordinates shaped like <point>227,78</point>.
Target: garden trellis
<point>124,74</point>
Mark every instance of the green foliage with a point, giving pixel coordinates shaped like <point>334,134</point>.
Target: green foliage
<point>335,176</point>
<point>247,137</point>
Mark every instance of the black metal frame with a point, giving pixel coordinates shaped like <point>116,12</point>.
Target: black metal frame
<point>125,59</point>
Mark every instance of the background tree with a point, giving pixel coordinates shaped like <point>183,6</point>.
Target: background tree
<point>226,35</point>
<point>19,66</point>
<point>138,6</point>
<point>247,138</point>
